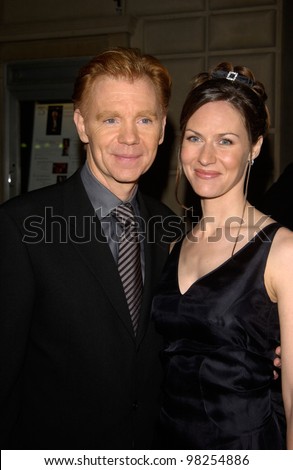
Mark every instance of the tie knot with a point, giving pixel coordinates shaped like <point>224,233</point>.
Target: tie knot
<point>124,213</point>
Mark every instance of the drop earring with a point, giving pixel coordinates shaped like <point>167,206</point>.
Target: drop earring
<point>250,162</point>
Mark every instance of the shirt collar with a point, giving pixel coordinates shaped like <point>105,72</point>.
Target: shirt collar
<point>102,199</point>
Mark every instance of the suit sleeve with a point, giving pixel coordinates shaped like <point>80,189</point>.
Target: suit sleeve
<point>17,299</point>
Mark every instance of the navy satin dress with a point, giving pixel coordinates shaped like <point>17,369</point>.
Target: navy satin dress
<point>220,338</point>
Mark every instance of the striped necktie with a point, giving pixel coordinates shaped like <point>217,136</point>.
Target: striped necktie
<point>129,264</point>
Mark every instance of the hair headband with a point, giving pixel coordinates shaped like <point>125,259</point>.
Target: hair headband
<point>233,76</point>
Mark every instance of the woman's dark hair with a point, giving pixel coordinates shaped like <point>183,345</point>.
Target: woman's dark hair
<point>235,85</point>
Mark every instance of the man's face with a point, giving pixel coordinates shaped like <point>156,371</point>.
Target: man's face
<point>123,125</point>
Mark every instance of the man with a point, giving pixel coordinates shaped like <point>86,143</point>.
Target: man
<point>75,371</point>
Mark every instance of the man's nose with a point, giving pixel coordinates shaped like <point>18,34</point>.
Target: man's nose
<point>128,134</point>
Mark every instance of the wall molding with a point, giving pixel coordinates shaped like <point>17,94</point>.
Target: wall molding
<point>72,28</point>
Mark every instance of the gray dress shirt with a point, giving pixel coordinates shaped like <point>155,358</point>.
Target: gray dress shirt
<point>104,202</point>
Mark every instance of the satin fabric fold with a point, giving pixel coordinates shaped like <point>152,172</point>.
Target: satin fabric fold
<point>220,338</point>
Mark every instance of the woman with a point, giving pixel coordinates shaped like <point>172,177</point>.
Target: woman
<point>226,293</point>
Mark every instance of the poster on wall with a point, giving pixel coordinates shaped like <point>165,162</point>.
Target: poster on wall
<point>56,147</point>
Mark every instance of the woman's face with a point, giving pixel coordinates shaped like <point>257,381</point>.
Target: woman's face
<point>216,150</point>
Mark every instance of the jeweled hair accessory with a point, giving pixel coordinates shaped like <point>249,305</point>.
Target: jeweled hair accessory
<point>233,76</point>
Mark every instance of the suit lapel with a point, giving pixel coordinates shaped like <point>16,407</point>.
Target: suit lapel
<point>92,247</point>
<point>93,250</point>
<point>155,255</point>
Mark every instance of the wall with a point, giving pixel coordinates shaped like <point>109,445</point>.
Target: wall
<point>188,36</point>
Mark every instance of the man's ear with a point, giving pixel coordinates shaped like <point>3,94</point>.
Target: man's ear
<point>256,148</point>
<point>80,126</point>
<point>162,134</point>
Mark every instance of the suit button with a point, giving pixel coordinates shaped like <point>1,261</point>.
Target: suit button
<point>134,405</point>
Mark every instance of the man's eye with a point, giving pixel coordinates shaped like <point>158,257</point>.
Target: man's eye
<point>110,120</point>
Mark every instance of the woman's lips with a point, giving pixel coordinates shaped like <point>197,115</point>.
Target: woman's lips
<point>206,175</point>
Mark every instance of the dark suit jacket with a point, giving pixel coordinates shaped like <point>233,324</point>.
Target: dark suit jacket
<point>73,375</point>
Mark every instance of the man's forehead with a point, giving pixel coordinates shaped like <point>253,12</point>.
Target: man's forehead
<point>140,91</point>
<point>120,83</point>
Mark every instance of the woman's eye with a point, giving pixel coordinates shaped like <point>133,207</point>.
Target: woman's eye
<point>192,138</point>
<point>225,141</point>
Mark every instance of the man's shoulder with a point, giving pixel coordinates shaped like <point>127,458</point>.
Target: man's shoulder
<point>162,220</point>
<point>37,199</point>
<point>155,206</point>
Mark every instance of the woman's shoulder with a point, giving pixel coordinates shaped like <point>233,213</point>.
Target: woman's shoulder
<point>279,269</point>
<point>283,238</point>
<point>283,242</point>
<point>261,221</point>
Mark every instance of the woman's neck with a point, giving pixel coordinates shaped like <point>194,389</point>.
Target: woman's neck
<point>219,213</point>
